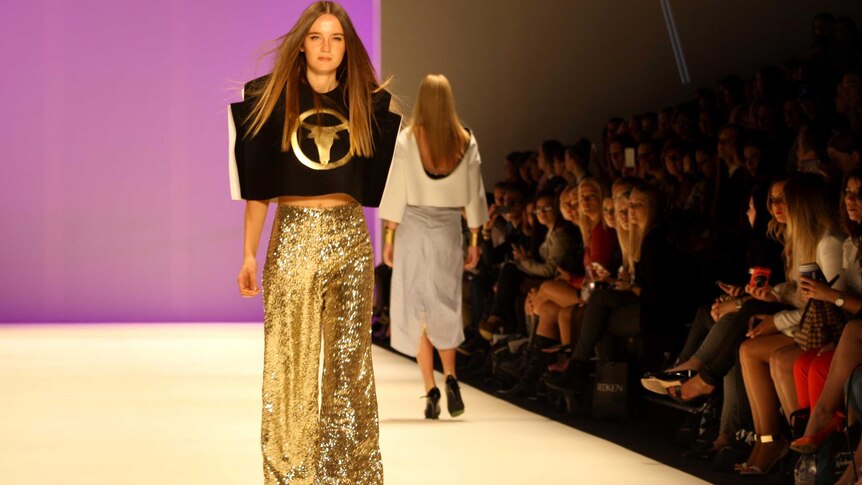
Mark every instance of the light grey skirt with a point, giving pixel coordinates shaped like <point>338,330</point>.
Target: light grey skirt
<point>426,279</point>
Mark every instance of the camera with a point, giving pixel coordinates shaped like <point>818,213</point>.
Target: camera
<point>759,276</point>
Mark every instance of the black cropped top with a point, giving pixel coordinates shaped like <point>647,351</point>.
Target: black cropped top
<point>319,160</point>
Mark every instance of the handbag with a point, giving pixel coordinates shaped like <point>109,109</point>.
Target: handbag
<point>610,394</point>
<point>821,324</point>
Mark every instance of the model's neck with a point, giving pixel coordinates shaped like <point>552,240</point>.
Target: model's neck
<point>321,83</point>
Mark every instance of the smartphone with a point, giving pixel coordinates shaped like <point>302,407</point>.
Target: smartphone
<point>630,157</point>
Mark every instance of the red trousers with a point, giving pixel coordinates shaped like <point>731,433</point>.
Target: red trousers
<point>809,375</point>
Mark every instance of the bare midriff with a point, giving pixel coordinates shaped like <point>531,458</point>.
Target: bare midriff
<point>318,202</point>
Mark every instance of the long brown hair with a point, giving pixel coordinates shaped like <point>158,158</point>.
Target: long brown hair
<point>434,116</point>
<point>655,206</point>
<point>851,227</point>
<point>289,69</point>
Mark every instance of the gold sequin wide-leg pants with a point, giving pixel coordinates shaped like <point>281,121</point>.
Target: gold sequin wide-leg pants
<point>317,288</point>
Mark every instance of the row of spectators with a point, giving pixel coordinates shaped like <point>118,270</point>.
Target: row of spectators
<point>605,252</point>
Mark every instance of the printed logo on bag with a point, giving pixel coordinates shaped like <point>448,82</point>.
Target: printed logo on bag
<point>602,387</point>
<point>322,146</point>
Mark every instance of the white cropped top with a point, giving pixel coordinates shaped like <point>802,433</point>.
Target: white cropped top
<point>409,184</point>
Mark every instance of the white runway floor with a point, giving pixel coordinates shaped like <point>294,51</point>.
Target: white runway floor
<point>180,404</point>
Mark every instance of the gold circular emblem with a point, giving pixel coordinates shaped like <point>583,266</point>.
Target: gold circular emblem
<point>324,137</point>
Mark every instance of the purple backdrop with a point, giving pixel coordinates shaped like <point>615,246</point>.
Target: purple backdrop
<point>115,201</point>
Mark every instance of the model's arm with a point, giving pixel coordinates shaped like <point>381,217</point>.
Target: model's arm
<point>389,242</point>
<point>255,215</point>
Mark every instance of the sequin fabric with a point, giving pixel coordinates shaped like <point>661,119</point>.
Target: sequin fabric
<point>317,291</point>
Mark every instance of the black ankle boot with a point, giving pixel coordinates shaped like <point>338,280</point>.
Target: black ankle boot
<point>432,404</point>
<point>517,367</point>
<point>453,397</point>
<point>536,363</point>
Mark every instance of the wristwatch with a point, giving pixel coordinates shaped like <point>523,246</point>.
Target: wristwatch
<point>839,302</point>
<point>738,302</point>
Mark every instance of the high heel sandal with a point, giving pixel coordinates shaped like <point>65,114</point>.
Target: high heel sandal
<point>747,469</point>
<point>659,382</point>
<point>809,444</point>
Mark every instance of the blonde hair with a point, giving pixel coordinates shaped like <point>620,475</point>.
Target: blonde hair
<point>638,233</point>
<point>623,234</point>
<point>583,220</point>
<point>289,71</point>
<point>436,121</point>
<point>810,215</point>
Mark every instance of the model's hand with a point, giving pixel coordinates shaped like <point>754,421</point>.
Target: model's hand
<point>472,257</point>
<point>762,293</point>
<point>247,279</point>
<point>765,326</point>
<point>817,290</point>
<point>388,254</point>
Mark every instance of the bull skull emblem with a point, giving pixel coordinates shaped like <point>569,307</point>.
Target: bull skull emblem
<point>324,137</point>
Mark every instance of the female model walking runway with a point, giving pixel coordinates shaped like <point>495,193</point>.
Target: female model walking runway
<point>317,136</point>
<point>434,176</point>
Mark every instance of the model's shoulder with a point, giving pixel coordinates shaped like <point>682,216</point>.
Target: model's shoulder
<point>253,86</point>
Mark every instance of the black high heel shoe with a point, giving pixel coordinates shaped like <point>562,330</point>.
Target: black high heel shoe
<point>454,403</point>
<point>432,404</point>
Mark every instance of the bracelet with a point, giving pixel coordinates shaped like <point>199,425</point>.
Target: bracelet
<point>389,236</point>
<point>474,239</point>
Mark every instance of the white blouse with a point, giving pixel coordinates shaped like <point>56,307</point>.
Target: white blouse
<point>409,184</point>
<point>830,257</point>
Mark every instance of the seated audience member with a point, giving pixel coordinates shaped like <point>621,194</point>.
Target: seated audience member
<point>577,163</point>
<point>730,199</point>
<point>615,157</point>
<point>848,101</point>
<point>705,167</point>
<point>844,152</point>
<point>707,123</point>
<point>673,154</point>
<point>556,245</point>
<point>562,177</point>
<point>828,414</point>
<point>549,151</point>
<point>650,304</point>
<point>684,121</point>
<point>759,158</point>
<point>529,172</point>
<point>567,289</point>
<point>707,330</point>
<point>512,168</point>
<point>501,316</point>
<point>811,155</point>
<point>810,368</point>
<point>770,351</point>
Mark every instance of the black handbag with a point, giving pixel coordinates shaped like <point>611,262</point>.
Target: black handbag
<point>610,394</point>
